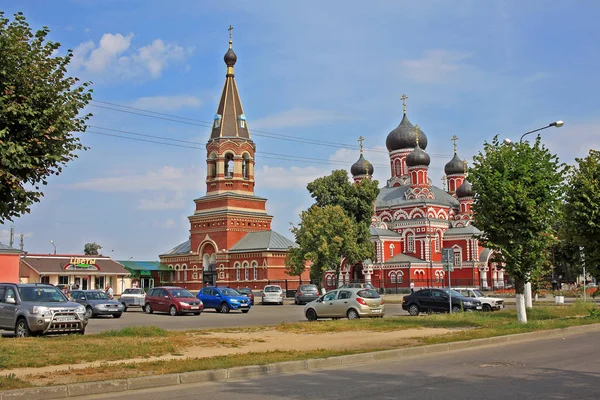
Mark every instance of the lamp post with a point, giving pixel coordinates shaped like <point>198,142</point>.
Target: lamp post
<point>52,241</point>
<point>556,124</point>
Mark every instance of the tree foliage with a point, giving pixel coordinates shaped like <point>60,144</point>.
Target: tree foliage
<point>517,195</point>
<point>39,111</point>
<point>582,209</point>
<point>91,249</point>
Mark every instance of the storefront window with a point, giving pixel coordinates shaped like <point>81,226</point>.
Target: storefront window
<point>63,279</point>
<point>100,283</point>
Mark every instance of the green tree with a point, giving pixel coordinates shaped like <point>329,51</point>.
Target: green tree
<point>325,235</point>
<point>582,209</point>
<point>39,112</point>
<point>517,197</point>
<point>91,249</point>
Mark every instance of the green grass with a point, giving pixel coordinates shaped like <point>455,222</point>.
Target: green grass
<point>10,381</point>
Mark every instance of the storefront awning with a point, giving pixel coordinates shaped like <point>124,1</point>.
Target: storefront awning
<point>143,268</point>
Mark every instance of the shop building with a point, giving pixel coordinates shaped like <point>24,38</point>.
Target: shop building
<point>147,274</point>
<point>9,264</point>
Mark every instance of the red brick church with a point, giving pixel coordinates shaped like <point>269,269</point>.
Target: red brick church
<point>414,220</point>
<point>230,240</point>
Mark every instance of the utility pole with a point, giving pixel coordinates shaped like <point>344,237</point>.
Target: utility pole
<point>12,236</point>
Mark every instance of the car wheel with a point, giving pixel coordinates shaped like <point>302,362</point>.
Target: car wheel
<point>224,308</point>
<point>245,311</point>
<point>352,314</point>
<point>173,311</point>
<point>81,332</point>
<point>311,315</point>
<point>456,309</point>
<point>124,307</point>
<point>487,308</point>
<point>413,310</point>
<point>22,329</point>
<point>148,308</point>
<point>117,315</point>
<point>88,312</point>
<point>296,301</point>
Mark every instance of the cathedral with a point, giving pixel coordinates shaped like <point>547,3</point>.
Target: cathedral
<point>414,220</point>
<point>231,242</point>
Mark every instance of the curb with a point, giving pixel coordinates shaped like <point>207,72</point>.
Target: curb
<point>155,381</point>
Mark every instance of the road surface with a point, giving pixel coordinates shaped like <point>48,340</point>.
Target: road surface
<point>560,368</point>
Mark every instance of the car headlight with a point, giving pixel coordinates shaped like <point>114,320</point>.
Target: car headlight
<point>80,310</point>
<point>41,310</point>
<point>234,301</point>
<point>184,304</point>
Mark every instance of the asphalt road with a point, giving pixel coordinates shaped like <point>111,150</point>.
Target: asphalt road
<point>258,315</point>
<point>563,368</point>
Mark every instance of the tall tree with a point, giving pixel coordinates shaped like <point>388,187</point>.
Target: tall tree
<point>582,209</point>
<point>325,235</point>
<point>517,195</point>
<point>91,249</point>
<point>39,112</point>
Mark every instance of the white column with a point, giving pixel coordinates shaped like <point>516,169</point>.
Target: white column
<point>484,283</point>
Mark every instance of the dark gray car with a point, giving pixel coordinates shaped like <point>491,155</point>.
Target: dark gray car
<point>306,294</point>
<point>97,302</point>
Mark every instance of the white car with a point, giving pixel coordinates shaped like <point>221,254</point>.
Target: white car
<point>272,294</point>
<point>488,303</point>
<point>132,297</point>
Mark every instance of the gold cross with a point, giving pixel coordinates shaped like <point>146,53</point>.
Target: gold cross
<point>403,98</point>
<point>417,134</point>
<point>444,182</point>
<point>454,139</point>
<point>465,162</point>
<point>230,29</point>
<point>360,140</point>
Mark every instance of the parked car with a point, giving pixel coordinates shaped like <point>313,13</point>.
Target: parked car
<point>224,299</point>
<point>173,300</point>
<point>306,294</point>
<point>38,309</point>
<point>272,294</point>
<point>96,302</point>
<point>351,303</point>
<point>487,303</point>
<point>437,300</point>
<point>248,292</point>
<point>132,297</point>
<point>365,285</point>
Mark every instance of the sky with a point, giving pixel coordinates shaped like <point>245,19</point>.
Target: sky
<point>319,71</point>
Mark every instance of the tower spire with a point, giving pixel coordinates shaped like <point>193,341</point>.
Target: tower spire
<point>454,139</point>
<point>403,98</point>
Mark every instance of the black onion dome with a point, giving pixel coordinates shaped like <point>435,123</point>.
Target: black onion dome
<point>418,157</point>
<point>405,137</point>
<point>464,190</point>
<point>230,58</point>
<point>362,167</point>
<point>455,166</point>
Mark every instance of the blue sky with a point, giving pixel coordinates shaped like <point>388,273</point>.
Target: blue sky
<point>329,71</point>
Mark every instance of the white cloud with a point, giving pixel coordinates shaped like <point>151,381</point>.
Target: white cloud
<point>436,66</point>
<point>169,223</point>
<point>167,103</point>
<point>295,117</point>
<point>115,57</point>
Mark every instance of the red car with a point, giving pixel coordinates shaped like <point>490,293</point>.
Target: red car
<point>247,292</point>
<point>172,299</point>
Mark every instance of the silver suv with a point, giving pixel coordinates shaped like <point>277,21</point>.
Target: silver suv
<point>32,309</point>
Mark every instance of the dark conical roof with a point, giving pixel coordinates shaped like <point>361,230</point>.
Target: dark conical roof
<point>362,167</point>
<point>455,166</point>
<point>418,157</point>
<point>405,137</point>
<point>464,190</point>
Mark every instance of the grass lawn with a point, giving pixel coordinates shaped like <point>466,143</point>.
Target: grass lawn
<point>140,342</point>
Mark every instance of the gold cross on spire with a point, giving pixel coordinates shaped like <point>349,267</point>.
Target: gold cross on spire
<point>403,98</point>
<point>360,140</point>
<point>417,134</point>
<point>454,139</point>
<point>444,182</point>
<point>466,167</point>
<point>230,35</point>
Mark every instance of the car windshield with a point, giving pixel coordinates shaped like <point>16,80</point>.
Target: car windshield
<point>133,291</point>
<point>454,293</point>
<point>229,292</point>
<point>244,291</point>
<point>308,288</point>
<point>181,293</point>
<point>272,289</point>
<point>368,294</point>
<point>42,294</point>
<point>478,293</point>
<point>97,296</point>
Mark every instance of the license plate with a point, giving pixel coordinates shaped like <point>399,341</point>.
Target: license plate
<point>376,311</point>
<point>195,307</point>
<point>478,307</point>
<point>65,319</point>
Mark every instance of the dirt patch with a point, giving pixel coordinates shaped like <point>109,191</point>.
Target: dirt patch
<point>222,344</point>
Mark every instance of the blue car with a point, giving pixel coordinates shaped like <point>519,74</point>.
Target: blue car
<point>223,299</point>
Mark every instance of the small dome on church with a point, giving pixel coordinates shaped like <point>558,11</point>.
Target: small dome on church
<point>464,190</point>
<point>455,166</point>
<point>230,58</point>
<point>362,167</point>
<point>418,157</point>
<point>405,136</point>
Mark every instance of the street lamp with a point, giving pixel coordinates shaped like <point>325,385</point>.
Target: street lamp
<point>52,241</point>
<point>556,124</point>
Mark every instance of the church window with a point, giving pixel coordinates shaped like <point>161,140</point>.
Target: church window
<point>393,277</point>
<point>237,272</point>
<point>398,169</point>
<point>184,268</point>
<point>410,242</point>
<point>217,121</point>
<point>245,164</point>
<point>437,243</point>
<point>246,271</point>
<point>228,165</point>
<point>457,258</point>
<point>391,250</point>
<point>399,278</point>
<point>242,121</point>
<point>255,270</point>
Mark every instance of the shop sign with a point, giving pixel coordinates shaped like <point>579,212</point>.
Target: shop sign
<point>80,263</point>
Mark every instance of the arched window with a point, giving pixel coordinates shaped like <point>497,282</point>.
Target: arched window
<point>393,277</point>
<point>410,242</point>
<point>329,280</point>
<point>217,121</point>
<point>246,272</point>
<point>237,271</point>
<point>228,165</point>
<point>178,273</point>
<point>184,268</point>
<point>457,258</point>
<point>398,169</point>
<point>399,278</point>
<point>245,164</point>
<point>391,250</point>
<point>255,270</point>
<point>242,121</point>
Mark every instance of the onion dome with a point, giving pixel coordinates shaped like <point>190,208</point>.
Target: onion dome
<point>464,190</point>
<point>455,166</point>
<point>418,157</point>
<point>361,167</point>
<point>230,58</point>
<point>405,137</point>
